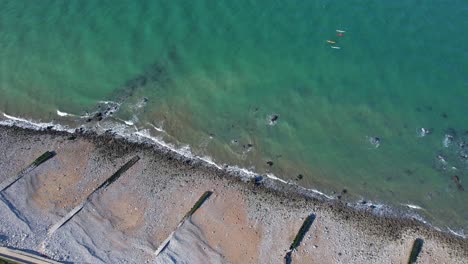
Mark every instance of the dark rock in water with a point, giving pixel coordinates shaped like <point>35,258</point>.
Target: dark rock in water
<point>72,137</point>
<point>88,120</point>
<point>247,146</point>
<point>344,191</point>
<point>444,115</point>
<point>339,197</point>
<point>456,180</point>
<point>258,180</point>
<point>274,118</point>
<point>145,99</point>
<point>363,202</point>
<point>300,176</point>
<point>50,127</point>
<point>99,114</point>
<point>99,118</point>
<point>375,141</point>
<point>464,155</point>
<point>270,163</point>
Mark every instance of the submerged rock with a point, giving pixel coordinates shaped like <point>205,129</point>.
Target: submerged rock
<point>456,180</point>
<point>273,119</point>
<point>375,141</point>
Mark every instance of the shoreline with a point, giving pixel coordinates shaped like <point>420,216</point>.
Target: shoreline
<point>272,193</point>
<point>145,139</point>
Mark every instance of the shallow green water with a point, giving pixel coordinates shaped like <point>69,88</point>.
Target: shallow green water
<point>221,68</point>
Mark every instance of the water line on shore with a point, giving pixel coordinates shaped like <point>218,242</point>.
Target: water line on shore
<point>144,136</point>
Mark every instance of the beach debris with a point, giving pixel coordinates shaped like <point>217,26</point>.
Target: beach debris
<point>273,119</point>
<point>41,159</point>
<point>104,185</point>
<point>424,132</point>
<point>299,237</point>
<point>457,182</point>
<point>375,141</point>
<point>415,250</point>
<point>195,207</point>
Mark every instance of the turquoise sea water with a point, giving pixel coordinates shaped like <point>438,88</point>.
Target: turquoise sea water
<point>213,73</point>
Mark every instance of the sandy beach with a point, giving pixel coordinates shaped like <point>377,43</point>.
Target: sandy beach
<point>145,210</point>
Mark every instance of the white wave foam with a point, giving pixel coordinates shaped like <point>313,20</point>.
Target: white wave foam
<point>21,122</point>
<point>461,234</point>
<point>243,171</point>
<point>210,161</point>
<point>130,123</point>
<point>412,206</point>
<point>108,102</point>
<point>321,193</point>
<point>271,176</point>
<point>156,128</point>
<point>185,151</point>
<point>60,113</point>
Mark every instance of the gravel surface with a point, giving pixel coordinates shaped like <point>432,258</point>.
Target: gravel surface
<point>126,222</point>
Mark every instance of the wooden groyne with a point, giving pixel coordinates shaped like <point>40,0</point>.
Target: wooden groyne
<point>41,159</point>
<point>195,207</point>
<point>417,247</point>
<point>299,237</point>
<point>105,184</point>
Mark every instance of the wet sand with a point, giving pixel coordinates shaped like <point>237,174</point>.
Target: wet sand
<point>241,222</point>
